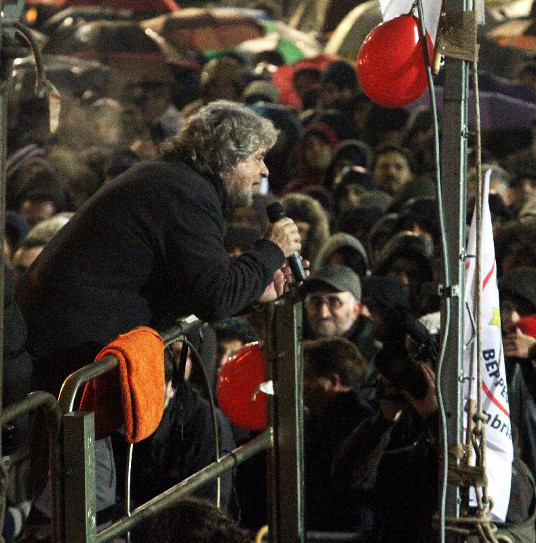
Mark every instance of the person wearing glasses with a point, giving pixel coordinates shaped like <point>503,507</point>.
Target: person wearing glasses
<point>332,308</point>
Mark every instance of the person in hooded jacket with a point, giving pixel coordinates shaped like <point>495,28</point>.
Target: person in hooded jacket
<point>408,258</point>
<point>346,250</point>
<point>517,289</point>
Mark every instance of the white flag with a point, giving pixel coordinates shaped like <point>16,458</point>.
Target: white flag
<point>431,10</point>
<point>499,449</point>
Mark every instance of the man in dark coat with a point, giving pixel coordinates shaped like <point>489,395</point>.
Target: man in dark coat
<point>149,247</point>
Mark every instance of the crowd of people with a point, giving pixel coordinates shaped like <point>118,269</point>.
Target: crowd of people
<point>142,209</point>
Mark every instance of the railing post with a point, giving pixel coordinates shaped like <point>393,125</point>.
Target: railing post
<point>79,465</point>
<point>285,461</point>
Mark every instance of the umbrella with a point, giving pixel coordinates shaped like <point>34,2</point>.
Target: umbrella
<point>151,6</point>
<point>282,77</point>
<point>133,54</point>
<point>292,44</point>
<point>201,30</point>
<point>76,15</point>
<point>504,105</point>
<point>68,74</point>
<point>516,33</point>
<point>145,6</point>
<point>320,16</point>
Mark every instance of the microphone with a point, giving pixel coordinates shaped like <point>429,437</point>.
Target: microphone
<point>275,212</point>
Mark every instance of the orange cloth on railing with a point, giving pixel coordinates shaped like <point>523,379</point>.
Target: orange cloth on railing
<point>132,394</point>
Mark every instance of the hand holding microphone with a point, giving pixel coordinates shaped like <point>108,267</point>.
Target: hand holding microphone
<point>284,233</point>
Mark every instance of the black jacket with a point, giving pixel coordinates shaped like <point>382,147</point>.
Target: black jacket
<point>145,249</point>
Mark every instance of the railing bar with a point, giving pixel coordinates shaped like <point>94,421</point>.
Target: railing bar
<point>212,471</point>
<point>72,384</point>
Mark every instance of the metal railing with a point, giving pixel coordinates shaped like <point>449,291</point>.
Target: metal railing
<point>283,439</point>
<point>49,404</point>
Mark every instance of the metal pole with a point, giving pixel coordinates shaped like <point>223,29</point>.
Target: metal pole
<point>286,462</point>
<point>454,166</point>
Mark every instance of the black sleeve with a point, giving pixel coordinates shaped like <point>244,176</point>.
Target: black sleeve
<point>17,367</point>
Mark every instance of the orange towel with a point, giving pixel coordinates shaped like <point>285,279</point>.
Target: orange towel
<point>133,394</point>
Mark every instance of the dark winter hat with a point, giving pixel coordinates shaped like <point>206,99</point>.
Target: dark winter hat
<point>385,291</point>
<point>409,246</point>
<point>422,210</point>
<point>341,278</point>
<point>340,73</point>
<point>520,282</point>
<point>261,90</point>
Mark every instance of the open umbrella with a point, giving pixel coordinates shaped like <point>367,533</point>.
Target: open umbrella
<point>292,44</point>
<point>504,105</point>
<point>133,54</point>
<point>320,17</point>
<point>201,30</point>
<point>282,77</point>
<point>76,15</point>
<point>68,74</point>
<point>37,12</point>
<point>144,6</point>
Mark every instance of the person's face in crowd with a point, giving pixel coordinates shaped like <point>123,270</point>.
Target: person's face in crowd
<point>391,171</point>
<point>408,273</point>
<point>239,183</point>
<point>352,197</point>
<point>522,192</point>
<point>318,152</point>
<point>509,315</point>
<point>377,314</point>
<point>330,313</point>
<point>35,212</point>
<point>304,83</point>
<point>226,349</point>
<point>517,255</point>
<point>155,103</point>
<point>334,96</point>
<point>22,260</point>
<point>419,229</point>
<point>317,389</point>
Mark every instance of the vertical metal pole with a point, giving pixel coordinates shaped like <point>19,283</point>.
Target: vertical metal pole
<point>79,465</point>
<point>454,166</point>
<point>10,11</point>
<point>286,506</point>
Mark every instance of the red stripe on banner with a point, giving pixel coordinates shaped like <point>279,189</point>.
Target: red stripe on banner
<point>488,277</point>
<point>492,398</point>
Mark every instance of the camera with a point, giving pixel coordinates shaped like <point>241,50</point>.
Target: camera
<point>399,364</point>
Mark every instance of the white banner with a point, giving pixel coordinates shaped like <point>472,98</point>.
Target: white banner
<point>499,450</point>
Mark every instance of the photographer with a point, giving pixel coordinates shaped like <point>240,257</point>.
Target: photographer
<point>390,461</point>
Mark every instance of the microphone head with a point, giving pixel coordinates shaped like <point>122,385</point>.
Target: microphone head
<point>275,212</point>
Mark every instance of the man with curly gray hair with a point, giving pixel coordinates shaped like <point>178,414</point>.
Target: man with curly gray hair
<point>226,140</point>
<point>148,247</point>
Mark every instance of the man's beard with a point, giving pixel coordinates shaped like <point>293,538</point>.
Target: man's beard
<point>243,199</point>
